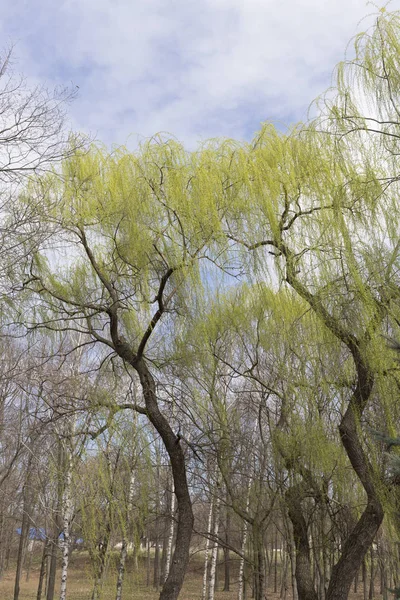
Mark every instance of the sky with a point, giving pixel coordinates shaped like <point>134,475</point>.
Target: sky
<point>194,69</point>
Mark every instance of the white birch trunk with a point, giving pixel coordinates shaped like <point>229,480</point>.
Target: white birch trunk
<point>67,513</point>
<point>206,554</point>
<point>241,566</point>
<point>243,548</point>
<point>214,553</point>
<point>171,534</point>
<point>124,548</point>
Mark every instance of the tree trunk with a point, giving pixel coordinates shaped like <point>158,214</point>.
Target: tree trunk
<point>304,579</point>
<point>259,562</point>
<point>166,535</point>
<point>372,577</point>
<point>57,525</point>
<point>180,559</point>
<point>101,564</point>
<point>214,552</point>
<point>148,559</point>
<point>170,534</point>
<point>284,584</point>
<point>52,569</point>
<point>363,534</point>
<point>156,566</point>
<point>206,553</point>
<point>361,538</point>
<point>43,566</point>
<point>67,514</point>
<point>227,564</point>
<point>241,566</point>
<point>22,542</point>
<point>241,587</point>
<point>364,578</point>
<point>124,548</point>
<point>292,556</point>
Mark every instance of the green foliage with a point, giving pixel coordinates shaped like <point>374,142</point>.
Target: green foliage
<point>282,257</point>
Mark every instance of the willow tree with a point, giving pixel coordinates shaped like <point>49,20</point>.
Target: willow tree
<point>323,201</point>
<point>129,233</point>
<point>276,420</point>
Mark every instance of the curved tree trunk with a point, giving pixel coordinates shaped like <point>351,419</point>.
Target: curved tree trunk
<point>361,538</point>
<point>363,534</point>
<point>180,558</point>
<point>304,579</point>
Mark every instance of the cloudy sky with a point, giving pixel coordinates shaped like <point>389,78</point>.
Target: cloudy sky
<point>194,68</point>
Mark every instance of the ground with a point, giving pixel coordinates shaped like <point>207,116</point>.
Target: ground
<point>80,583</point>
<point>135,588</point>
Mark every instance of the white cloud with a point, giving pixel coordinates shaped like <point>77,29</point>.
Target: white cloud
<point>197,69</point>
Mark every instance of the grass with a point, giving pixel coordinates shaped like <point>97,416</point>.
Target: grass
<point>80,582</point>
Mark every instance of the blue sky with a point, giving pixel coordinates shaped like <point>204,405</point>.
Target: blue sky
<point>196,69</point>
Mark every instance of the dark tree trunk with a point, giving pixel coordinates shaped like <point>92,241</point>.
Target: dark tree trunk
<point>304,579</point>
<point>363,534</point>
<point>156,571</point>
<point>102,560</point>
<point>22,542</point>
<point>259,562</point>
<point>57,526</point>
<point>42,573</point>
<point>364,578</point>
<point>360,539</point>
<point>372,577</point>
<point>163,567</point>
<point>52,569</point>
<point>227,561</point>
<point>180,558</point>
<point>227,570</point>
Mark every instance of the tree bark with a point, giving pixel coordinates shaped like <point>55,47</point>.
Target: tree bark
<point>101,561</point>
<point>22,541</point>
<point>206,553</point>
<point>124,548</point>
<point>241,588</point>
<point>214,551</point>
<point>363,534</point>
<point>180,559</point>
<point>52,569</point>
<point>67,513</point>
<point>360,539</point>
<point>372,577</point>
<point>43,566</point>
<point>170,541</point>
<point>57,526</point>
<point>259,562</point>
<point>304,579</point>
<point>166,534</point>
<point>227,564</point>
